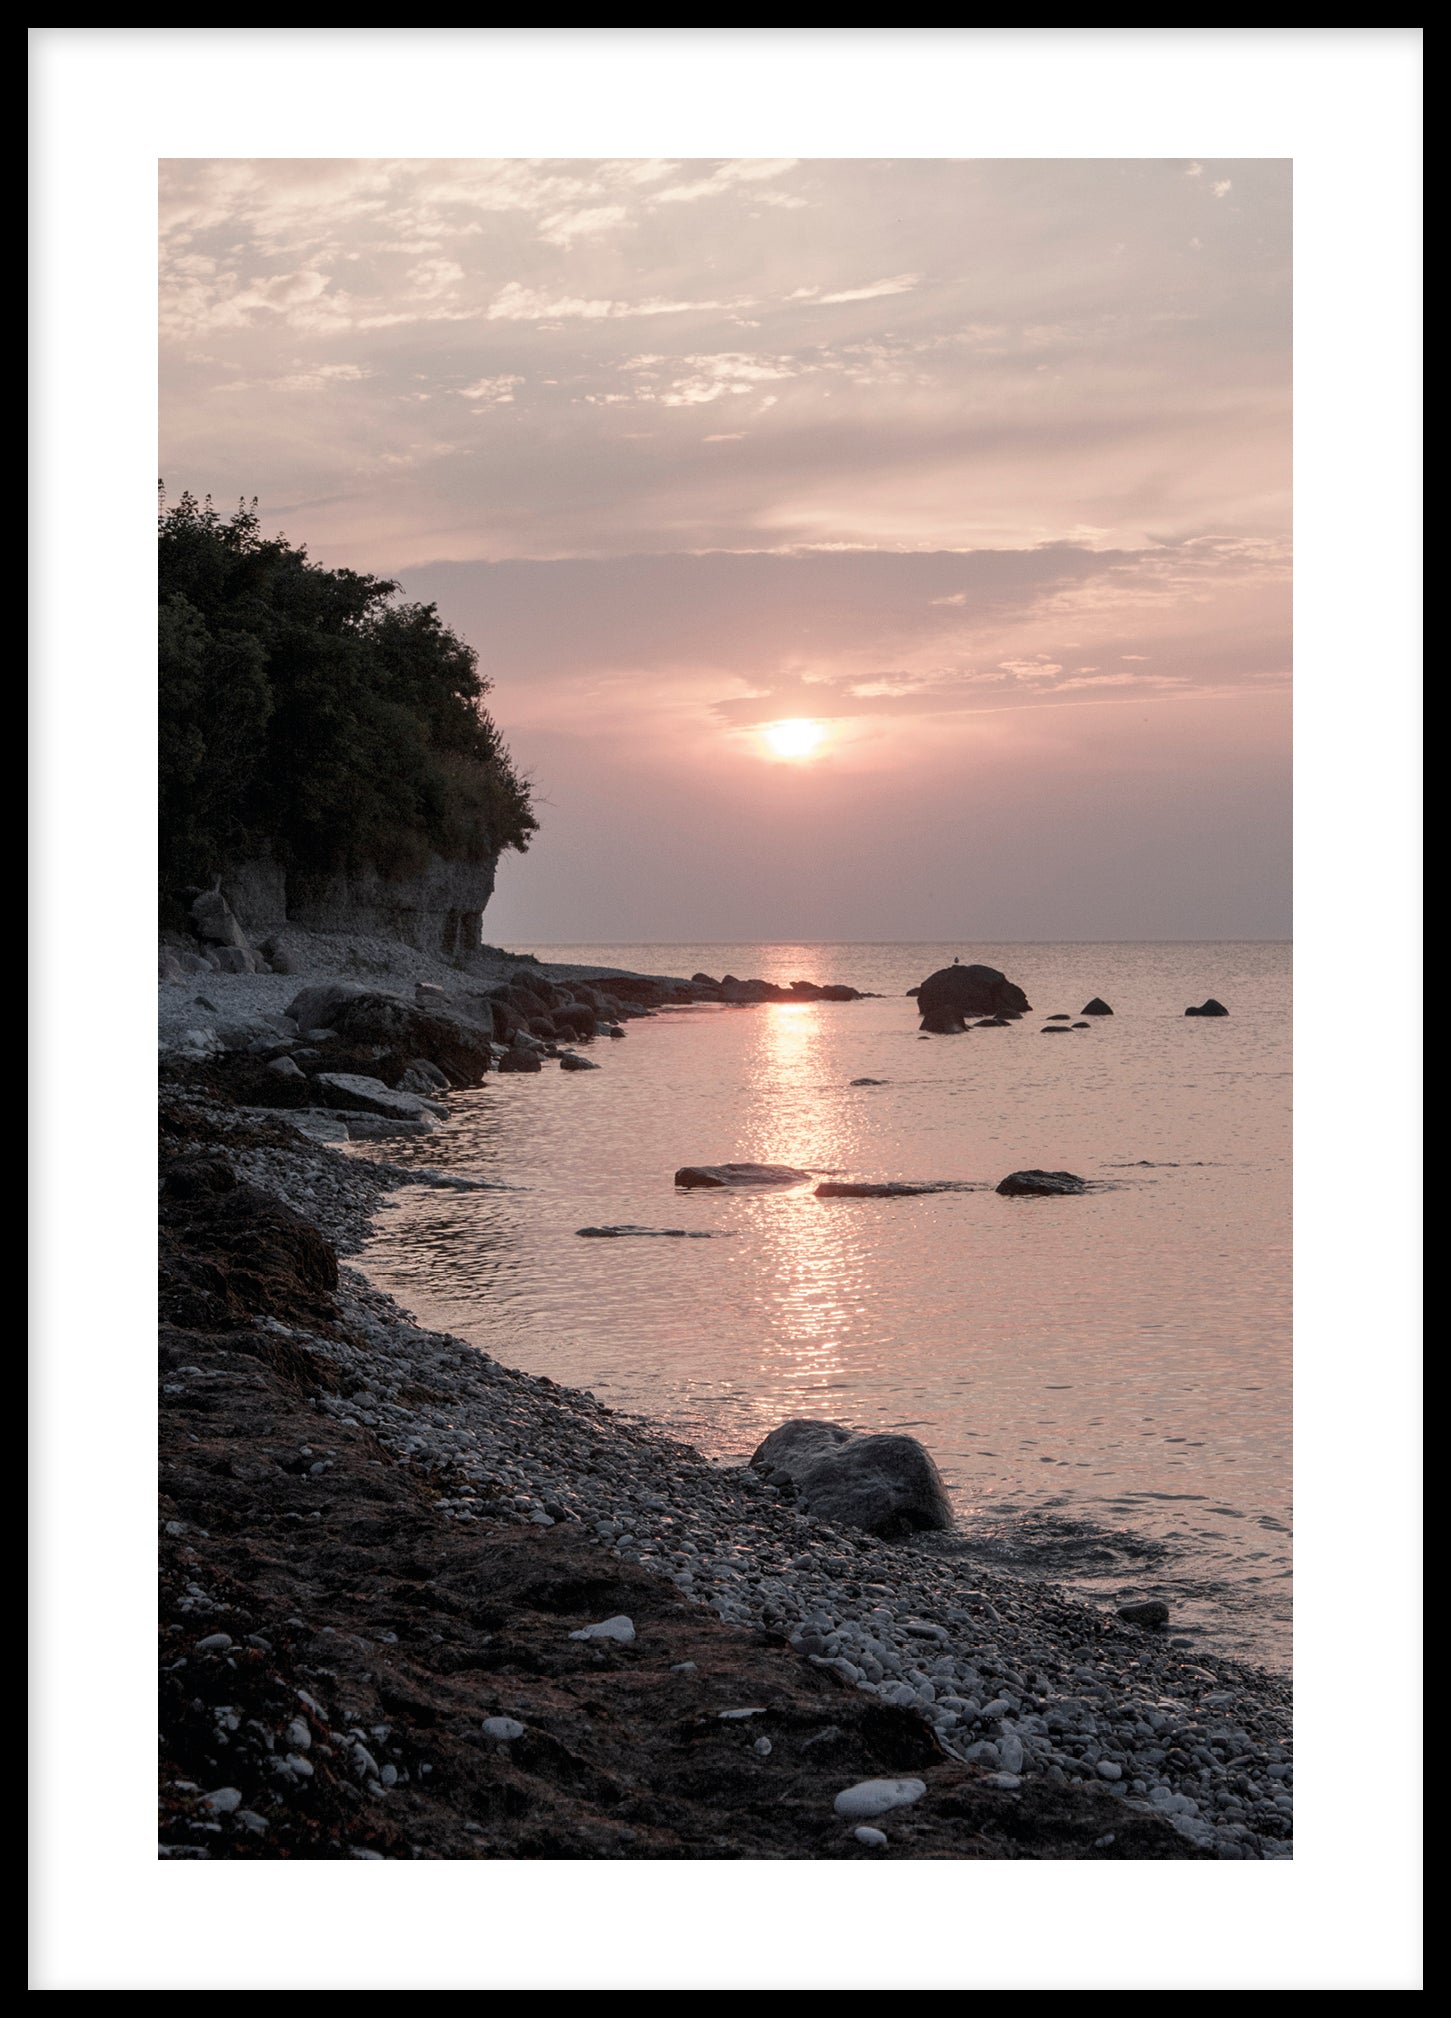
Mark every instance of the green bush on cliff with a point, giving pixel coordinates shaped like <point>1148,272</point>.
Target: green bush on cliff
<point>307,714</point>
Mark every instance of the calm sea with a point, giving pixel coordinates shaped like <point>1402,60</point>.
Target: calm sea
<point>1103,1380</point>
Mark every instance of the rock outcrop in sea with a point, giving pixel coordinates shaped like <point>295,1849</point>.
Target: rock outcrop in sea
<point>948,998</point>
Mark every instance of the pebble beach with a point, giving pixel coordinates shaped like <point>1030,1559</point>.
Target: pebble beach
<point>1017,1692</point>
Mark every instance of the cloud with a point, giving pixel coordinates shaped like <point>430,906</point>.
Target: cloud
<point>491,391</point>
<point>730,175</point>
<point>902,283</point>
<point>567,225</point>
<point>516,303</point>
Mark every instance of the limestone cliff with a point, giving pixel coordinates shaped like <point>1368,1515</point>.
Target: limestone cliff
<point>439,910</point>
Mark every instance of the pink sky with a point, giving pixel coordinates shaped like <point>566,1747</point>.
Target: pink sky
<point>983,466</point>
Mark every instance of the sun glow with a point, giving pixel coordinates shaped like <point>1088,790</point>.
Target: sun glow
<point>794,739</point>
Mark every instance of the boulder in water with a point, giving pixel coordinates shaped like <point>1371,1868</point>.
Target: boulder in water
<point>1041,1184</point>
<point>885,1484</point>
<point>953,994</point>
<point>735,1176</point>
<point>1209,1008</point>
<point>1152,1612</point>
<point>1097,1007</point>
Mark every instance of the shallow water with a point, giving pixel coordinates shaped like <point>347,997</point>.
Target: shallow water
<point>1104,1380</point>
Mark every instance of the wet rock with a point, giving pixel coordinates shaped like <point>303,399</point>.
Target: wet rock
<point>840,1188</point>
<point>1209,1008</point>
<point>1060,1016</point>
<point>728,1176</point>
<point>518,1059</point>
<point>869,1082</point>
<point>570,1061</point>
<point>953,994</point>
<point>886,1484</point>
<point>422,1076</point>
<point>1097,1007</point>
<point>646,1233</point>
<point>1152,1612</point>
<point>357,1091</point>
<point>1041,1184</point>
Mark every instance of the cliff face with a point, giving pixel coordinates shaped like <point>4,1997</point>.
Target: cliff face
<point>440,910</point>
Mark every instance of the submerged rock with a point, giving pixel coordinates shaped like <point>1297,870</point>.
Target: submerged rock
<point>1097,1007</point>
<point>725,1176</point>
<point>841,1188</point>
<point>1041,1184</point>
<point>869,1082</point>
<point>953,994</point>
<point>1209,1008</point>
<point>648,1233</point>
<point>886,1484</point>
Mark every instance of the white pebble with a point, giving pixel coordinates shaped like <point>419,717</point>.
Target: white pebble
<point>762,1748</point>
<point>877,1797</point>
<point>503,1729</point>
<point>1107,1770</point>
<point>214,1643</point>
<point>621,1629</point>
<point>222,1801</point>
<point>732,1716</point>
<point>871,1839</point>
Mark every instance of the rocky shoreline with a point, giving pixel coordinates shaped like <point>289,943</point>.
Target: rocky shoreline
<point>383,1554</point>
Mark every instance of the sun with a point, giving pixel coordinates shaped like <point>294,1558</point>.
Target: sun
<point>794,739</point>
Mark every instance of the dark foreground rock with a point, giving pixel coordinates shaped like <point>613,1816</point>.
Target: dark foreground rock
<point>1209,1008</point>
<point>953,994</point>
<point>1097,1007</point>
<point>739,1176</point>
<point>887,1485</point>
<point>1041,1184</point>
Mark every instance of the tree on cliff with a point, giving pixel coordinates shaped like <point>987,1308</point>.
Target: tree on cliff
<point>307,714</point>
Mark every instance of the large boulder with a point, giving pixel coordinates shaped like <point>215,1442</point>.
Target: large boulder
<point>212,919</point>
<point>736,1176</point>
<point>1042,1184</point>
<point>1209,1008</point>
<point>1097,1007</point>
<point>953,994</point>
<point>885,1484</point>
<point>356,1091</point>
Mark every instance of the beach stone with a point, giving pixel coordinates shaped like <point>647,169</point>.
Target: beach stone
<point>1097,1007</point>
<point>520,1059</point>
<point>870,1839</point>
<point>315,1008</point>
<point>1209,1008</point>
<point>1008,1781</point>
<point>421,1076</point>
<point>1041,1184</point>
<point>1060,1016</point>
<point>363,1127</point>
<point>877,1797</point>
<point>619,1629</point>
<point>1152,1612</point>
<point>1107,1770</point>
<point>570,1061</point>
<point>286,1068</point>
<point>222,1801</point>
<point>951,995</point>
<point>357,1091</point>
<point>725,1176</point>
<point>887,1484</point>
<point>316,1123</point>
<point>503,1730</point>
